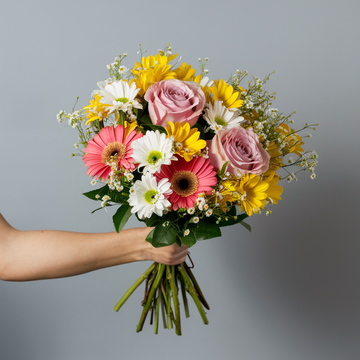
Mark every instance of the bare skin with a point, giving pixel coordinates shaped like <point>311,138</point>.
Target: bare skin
<point>46,254</point>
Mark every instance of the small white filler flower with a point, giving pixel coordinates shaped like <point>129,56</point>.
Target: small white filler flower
<point>148,197</point>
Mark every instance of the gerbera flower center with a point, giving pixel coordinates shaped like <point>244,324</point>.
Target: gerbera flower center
<point>151,196</point>
<point>113,151</point>
<point>184,183</point>
<point>154,156</point>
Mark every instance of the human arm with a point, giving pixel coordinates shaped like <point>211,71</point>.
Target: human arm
<point>45,254</point>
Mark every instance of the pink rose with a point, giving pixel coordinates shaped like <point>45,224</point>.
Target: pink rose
<point>175,101</point>
<point>241,148</point>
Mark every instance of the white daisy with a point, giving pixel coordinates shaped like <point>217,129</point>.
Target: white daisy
<point>119,95</point>
<point>218,116</point>
<point>152,150</point>
<point>148,197</point>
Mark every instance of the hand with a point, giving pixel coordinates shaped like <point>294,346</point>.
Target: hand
<point>168,255</point>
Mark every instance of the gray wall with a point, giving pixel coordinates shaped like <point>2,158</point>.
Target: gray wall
<point>288,290</point>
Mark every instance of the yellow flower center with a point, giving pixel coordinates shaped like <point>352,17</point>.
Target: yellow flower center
<point>113,152</point>
<point>220,122</point>
<point>154,156</point>
<point>123,100</point>
<point>151,196</point>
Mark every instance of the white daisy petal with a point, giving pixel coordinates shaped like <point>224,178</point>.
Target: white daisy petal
<point>152,150</point>
<point>148,197</point>
<point>219,117</point>
<point>119,95</point>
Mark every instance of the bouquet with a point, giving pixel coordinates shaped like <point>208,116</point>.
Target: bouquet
<point>186,155</point>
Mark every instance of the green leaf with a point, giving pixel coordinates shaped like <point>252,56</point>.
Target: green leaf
<point>164,234</point>
<point>178,240</point>
<point>121,217</point>
<point>222,171</point>
<point>145,119</point>
<point>154,220</point>
<point>189,240</point>
<point>150,235</point>
<point>232,221</point>
<point>119,197</point>
<point>101,192</point>
<point>247,226</point>
<point>231,215</point>
<point>200,129</point>
<point>147,124</point>
<point>201,231</point>
<point>154,128</point>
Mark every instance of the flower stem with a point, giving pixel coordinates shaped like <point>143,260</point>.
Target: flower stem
<point>150,297</point>
<point>156,324</point>
<point>193,293</point>
<point>168,305</point>
<point>170,275</point>
<point>144,276</point>
<point>183,292</point>
<point>196,285</point>
<point>163,310</point>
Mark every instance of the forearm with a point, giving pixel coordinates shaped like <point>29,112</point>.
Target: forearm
<point>45,254</point>
<point>32,255</point>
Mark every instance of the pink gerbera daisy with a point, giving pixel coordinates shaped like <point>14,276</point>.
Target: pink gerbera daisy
<point>188,180</point>
<point>108,146</point>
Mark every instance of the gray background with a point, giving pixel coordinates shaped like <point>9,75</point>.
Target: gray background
<point>288,290</point>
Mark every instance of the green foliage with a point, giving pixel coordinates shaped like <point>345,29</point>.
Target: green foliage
<point>146,123</point>
<point>245,225</point>
<point>164,234</point>
<point>121,217</point>
<point>115,196</point>
<point>203,230</point>
<point>98,192</point>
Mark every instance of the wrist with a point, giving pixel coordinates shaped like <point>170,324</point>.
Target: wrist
<point>145,248</point>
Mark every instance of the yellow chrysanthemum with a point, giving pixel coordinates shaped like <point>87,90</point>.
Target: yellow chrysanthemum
<point>276,158</point>
<point>249,192</point>
<point>291,143</point>
<point>151,61</point>
<point>151,70</point>
<point>229,192</point>
<point>186,140</point>
<point>292,140</point>
<point>184,72</point>
<point>274,191</point>
<point>96,110</point>
<point>223,92</point>
<point>129,127</point>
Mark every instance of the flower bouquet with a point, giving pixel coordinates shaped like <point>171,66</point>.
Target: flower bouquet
<point>186,155</point>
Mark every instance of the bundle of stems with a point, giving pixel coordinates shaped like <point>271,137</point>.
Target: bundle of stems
<point>161,294</point>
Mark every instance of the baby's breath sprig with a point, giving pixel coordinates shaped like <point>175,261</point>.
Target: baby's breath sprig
<point>306,162</point>
<point>141,52</point>
<point>167,50</point>
<point>256,98</point>
<point>202,64</point>
<point>116,69</point>
<point>236,79</point>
